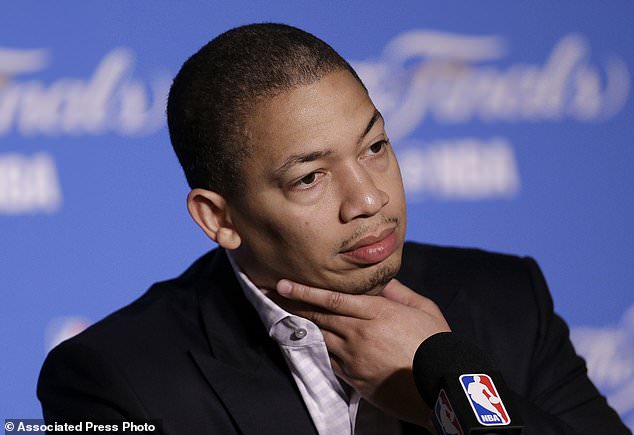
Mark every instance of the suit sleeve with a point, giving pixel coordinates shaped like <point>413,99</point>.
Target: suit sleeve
<point>561,400</point>
<point>77,384</point>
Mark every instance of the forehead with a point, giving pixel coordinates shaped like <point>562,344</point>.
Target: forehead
<point>326,114</point>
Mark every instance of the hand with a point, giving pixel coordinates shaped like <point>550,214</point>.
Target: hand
<point>372,340</point>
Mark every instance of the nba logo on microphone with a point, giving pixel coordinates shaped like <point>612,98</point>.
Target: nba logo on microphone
<point>446,417</point>
<point>484,399</point>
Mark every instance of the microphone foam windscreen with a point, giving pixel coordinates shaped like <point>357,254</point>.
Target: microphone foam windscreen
<point>445,353</point>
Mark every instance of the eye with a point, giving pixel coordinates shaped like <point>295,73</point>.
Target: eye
<point>378,147</point>
<point>307,181</point>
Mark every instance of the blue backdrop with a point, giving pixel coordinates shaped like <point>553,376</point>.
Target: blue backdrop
<point>513,123</point>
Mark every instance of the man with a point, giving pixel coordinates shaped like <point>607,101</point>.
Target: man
<point>296,323</point>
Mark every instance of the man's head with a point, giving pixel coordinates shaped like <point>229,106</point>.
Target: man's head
<point>288,160</point>
<point>218,88</point>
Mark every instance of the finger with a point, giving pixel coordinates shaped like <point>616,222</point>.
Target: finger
<point>326,321</point>
<point>335,363</point>
<point>337,366</point>
<point>358,306</point>
<point>334,343</point>
<point>397,292</point>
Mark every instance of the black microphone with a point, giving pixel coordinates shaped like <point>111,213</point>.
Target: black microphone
<point>467,396</point>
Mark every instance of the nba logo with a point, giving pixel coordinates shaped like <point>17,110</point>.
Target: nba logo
<point>446,417</point>
<point>485,400</point>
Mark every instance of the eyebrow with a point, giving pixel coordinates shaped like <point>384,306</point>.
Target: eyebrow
<point>375,117</point>
<point>302,158</point>
<point>317,155</point>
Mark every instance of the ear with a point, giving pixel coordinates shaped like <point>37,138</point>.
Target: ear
<point>209,210</point>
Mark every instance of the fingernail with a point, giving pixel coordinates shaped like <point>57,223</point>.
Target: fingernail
<point>284,287</point>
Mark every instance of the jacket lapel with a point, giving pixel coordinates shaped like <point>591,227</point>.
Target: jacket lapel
<point>423,273</point>
<point>243,365</point>
<point>245,368</point>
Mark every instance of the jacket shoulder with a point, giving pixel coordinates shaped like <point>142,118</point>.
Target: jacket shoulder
<point>464,268</point>
<point>173,299</point>
<point>165,317</point>
<point>108,366</point>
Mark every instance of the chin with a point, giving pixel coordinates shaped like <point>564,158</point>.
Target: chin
<point>374,278</point>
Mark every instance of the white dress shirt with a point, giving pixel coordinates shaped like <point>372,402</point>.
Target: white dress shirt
<point>331,408</point>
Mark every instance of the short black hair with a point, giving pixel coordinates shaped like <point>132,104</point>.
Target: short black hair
<point>220,85</point>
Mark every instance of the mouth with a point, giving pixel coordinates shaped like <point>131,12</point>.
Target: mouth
<point>372,249</point>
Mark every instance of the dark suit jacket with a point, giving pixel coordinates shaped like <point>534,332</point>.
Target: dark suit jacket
<point>193,352</point>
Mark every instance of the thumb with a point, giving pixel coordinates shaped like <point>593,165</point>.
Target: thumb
<point>397,292</point>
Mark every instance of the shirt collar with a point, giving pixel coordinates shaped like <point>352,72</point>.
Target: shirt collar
<point>270,313</point>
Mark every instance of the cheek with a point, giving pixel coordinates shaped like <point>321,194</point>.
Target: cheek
<point>312,233</point>
<point>294,231</point>
<point>396,183</point>
<point>273,221</point>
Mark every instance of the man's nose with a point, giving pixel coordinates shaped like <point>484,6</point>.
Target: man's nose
<point>361,196</point>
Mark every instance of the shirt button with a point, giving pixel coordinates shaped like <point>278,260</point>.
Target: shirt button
<point>299,333</point>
